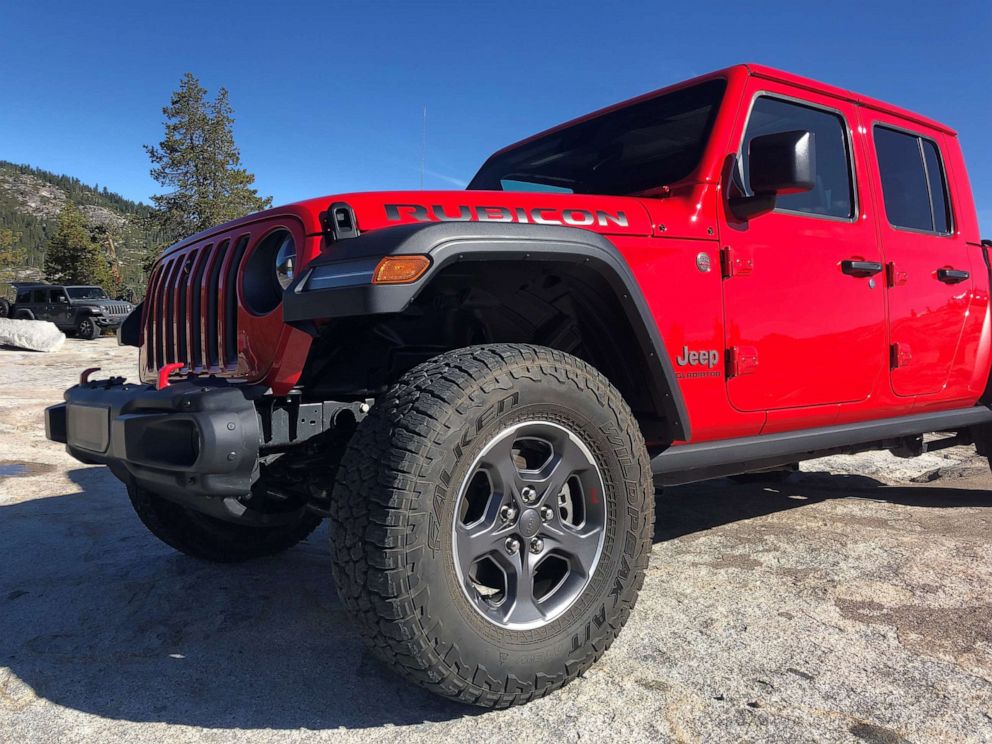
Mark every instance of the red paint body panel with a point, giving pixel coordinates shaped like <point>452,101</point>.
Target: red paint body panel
<point>811,345</point>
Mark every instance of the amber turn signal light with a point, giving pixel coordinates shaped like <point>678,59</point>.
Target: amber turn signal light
<point>400,269</point>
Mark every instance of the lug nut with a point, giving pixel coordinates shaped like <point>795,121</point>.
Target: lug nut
<point>512,545</point>
<point>508,513</point>
<point>528,494</point>
<point>536,545</point>
<point>546,513</point>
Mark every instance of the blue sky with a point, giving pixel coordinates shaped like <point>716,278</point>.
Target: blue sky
<point>329,96</point>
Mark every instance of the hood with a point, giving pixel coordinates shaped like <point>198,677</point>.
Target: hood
<point>684,212</point>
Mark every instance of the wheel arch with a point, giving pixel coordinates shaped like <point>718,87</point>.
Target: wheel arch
<point>607,307</point>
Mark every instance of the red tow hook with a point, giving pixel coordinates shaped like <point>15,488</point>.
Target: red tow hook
<point>165,371</point>
<point>84,376</point>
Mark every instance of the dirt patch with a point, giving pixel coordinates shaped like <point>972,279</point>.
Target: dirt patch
<point>956,631</point>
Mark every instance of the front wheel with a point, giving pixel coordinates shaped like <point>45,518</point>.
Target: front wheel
<point>211,539</point>
<point>87,329</point>
<point>492,521</point>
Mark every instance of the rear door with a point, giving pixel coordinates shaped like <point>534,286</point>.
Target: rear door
<point>40,305</point>
<point>929,267</point>
<point>802,327</point>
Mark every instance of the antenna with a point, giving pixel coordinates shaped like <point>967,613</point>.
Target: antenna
<point>423,151</point>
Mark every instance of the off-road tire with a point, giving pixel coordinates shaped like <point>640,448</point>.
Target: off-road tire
<point>23,315</point>
<point>87,329</point>
<point>4,307</point>
<point>211,539</point>
<point>392,514</point>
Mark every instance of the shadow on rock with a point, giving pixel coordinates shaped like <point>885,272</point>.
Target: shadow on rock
<point>97,615</point>
<point>684,510</point>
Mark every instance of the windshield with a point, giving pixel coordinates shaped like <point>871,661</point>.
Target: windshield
<point>86,293</point>
<point>633,149</point>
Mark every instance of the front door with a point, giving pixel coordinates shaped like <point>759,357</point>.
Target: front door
<point>60,311</point>
<point>929,266</point>
<point>804,293</point>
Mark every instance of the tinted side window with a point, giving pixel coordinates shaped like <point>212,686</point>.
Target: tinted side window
<point>914,187</point>
<point>833,195</point>
<point>938,187</point>
<point>39,295</point>
<point>58,295</point>
<point>904,180</point>
<point>23,296</point>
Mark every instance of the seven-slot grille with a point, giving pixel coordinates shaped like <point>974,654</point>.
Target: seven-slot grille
<point>117,309</point>
<point>192,302</point>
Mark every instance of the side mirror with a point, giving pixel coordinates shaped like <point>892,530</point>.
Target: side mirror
<point>778,164</point>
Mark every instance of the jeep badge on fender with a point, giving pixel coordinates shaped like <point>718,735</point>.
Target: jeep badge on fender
<point>481,389</point>
<point>709,358</point>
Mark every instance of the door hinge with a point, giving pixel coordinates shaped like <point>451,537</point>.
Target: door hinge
<point>900,355</point>
<point>894,277</point>
<point>734,263</point>
<point>741,360</point>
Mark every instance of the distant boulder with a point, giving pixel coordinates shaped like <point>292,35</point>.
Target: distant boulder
<point>33,335</point>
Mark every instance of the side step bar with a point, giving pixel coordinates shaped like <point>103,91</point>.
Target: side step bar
<point>689,463</point>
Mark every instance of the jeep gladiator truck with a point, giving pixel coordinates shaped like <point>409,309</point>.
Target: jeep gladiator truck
<point>482,388</point>
<point>85,311</point>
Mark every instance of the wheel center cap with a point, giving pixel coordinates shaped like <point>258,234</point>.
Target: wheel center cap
<point>530,523</point>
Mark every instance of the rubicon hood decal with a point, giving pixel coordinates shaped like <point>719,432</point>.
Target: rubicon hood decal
<point>528,215</point>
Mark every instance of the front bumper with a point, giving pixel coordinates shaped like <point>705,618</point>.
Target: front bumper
<point>108,321</point>
<point>195,443</point>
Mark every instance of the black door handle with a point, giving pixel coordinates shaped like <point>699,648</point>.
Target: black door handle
<point>860,268</point>
<point>952,276</point>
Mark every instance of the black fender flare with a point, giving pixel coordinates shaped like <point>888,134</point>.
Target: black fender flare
<point>337,283</point>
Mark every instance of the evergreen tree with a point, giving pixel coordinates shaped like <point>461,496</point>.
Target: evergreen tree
<point>73,257</point>
<point>12,257</point>
<point>200,164</point>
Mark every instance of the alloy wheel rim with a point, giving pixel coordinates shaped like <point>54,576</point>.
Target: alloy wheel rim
<point>529,525</point>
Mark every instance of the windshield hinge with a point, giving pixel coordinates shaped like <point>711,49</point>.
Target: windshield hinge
<point>339,222</point>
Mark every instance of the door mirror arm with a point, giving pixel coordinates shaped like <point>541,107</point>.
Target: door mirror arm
<point>746,207</point>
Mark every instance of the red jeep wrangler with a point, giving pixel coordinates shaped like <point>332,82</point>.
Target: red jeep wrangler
<point>482,388</point>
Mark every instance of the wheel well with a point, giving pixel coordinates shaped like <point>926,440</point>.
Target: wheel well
<point>560,305</point>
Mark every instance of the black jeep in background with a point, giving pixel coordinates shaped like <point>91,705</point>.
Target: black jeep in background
<point>81,310</point>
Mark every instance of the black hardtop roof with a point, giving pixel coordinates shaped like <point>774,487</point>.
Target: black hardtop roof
<point>31,285</point>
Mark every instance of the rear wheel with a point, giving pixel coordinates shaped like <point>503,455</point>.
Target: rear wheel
<point>211,539</point>
<point>87,328</point>
<point>4,308</point>
<point>492,521</point>
<point>23,315</point>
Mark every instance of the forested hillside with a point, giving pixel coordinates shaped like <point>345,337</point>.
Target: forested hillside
<point>31,198</point>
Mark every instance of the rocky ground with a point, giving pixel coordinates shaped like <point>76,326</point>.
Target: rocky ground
<point>848,603</point>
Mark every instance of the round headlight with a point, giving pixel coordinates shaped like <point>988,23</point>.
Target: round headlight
<point>285,261</point>
<point>268,271</point>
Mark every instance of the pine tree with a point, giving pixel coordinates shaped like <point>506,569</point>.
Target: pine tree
<point>12,258</point>
<point>73,257</point>
<point>199,162</point>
